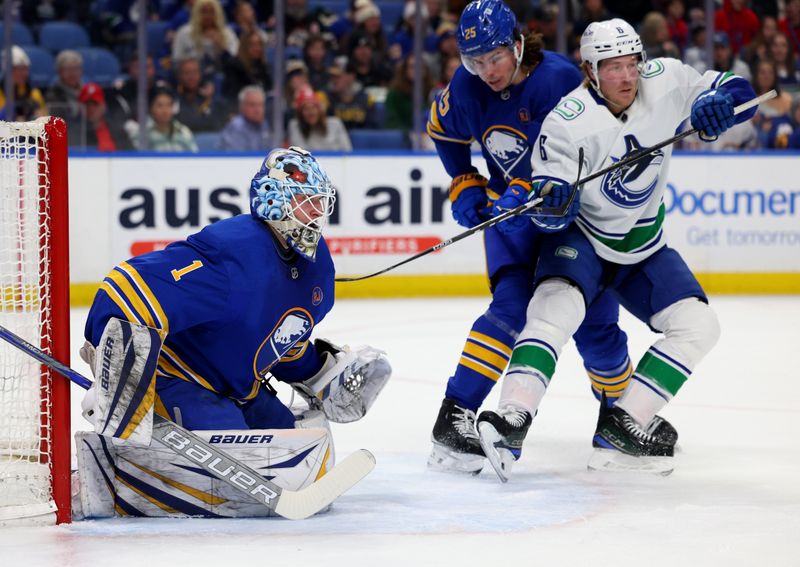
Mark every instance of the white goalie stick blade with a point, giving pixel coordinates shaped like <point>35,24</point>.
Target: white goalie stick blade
<point>500,458</point>
<point>313,498</point>
<point>611,460</point>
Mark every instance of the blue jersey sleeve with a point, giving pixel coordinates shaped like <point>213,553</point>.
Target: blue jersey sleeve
<point>171,289</point>
<point>449,129</point>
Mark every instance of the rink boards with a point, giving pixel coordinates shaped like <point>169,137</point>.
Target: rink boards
<point>735,218</point>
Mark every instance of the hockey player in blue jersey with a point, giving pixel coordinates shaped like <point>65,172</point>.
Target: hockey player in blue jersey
<point>499,97</point>
<point>237,303</point>
<point>612,240</point>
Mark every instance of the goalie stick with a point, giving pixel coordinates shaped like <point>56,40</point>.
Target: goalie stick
<point>531,206</point>
<point>294,505</point>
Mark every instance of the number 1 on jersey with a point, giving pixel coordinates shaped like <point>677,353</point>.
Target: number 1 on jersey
<point>178,274</point>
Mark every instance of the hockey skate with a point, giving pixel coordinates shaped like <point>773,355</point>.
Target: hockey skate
<point>455,442</point>
<point>621,444</point>
<point>501,435</point>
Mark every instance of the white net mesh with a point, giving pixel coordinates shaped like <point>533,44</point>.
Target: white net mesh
<point>25,309</point>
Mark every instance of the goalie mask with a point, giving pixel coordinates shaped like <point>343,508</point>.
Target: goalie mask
<point>609,39</point>
<point>484,26</point>
<point>293,195</point>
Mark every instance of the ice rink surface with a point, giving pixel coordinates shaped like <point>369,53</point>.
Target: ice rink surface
<point>733,500</point>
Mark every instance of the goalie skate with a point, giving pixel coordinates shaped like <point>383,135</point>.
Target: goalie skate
<point>501,435</point>
<point>455,442</point>
<point>622,445</point>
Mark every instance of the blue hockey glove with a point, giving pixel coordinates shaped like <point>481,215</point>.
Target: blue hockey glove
<point>517,193</point>
<point>469,203</point>
<point>555,194</point>
<point>712,114</point>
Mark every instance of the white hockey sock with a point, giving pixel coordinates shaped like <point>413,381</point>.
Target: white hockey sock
<point>523,389</point>
<point>641,402</point>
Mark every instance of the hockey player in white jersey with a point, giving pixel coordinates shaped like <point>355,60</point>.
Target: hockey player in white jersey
<point>616,241</point>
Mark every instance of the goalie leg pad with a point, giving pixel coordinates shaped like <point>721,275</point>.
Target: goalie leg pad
<point>348,382</point>
<point>120,404</point>
<point>154,482</point>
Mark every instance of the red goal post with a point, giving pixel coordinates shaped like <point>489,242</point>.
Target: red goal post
<point>35,433</point>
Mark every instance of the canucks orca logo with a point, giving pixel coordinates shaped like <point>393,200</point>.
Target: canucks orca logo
<point>294,324</point>
<point>630,186</point>
<point>507,147</point>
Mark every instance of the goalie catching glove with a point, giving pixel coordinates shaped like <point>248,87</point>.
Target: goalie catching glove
<point>348,382</point>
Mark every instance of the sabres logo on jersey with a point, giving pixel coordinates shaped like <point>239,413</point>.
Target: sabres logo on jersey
<point>507,148</point>
<point>294,324</point>
<point>630,186</point>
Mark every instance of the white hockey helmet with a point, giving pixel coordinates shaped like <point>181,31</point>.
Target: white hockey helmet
<point>608,39</point>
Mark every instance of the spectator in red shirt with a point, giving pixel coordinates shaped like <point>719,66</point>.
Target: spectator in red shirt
<point>790,23</point>
<point>738,21</point>
<point>678,30</point>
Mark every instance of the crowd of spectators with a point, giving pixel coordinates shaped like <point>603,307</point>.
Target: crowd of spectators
<point>210,82</point>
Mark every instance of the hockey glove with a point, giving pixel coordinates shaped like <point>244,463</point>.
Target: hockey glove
<point>469,203</point>
<point>556,193</point>
<point>517,193</point>
<point>712,114</point>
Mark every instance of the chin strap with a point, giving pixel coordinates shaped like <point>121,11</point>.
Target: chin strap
<point>519,60</point>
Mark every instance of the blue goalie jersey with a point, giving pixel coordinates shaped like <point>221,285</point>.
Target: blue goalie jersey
<point>234,307</point>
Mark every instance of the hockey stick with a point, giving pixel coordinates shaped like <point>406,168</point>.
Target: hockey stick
<point>531,207</point>
<point>477,228</point>
<point>636,156</point>
<point>294,505</point>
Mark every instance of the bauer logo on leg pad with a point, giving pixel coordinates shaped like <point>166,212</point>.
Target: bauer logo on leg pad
<point>126,376</point>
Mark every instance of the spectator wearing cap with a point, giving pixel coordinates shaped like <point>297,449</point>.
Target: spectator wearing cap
<point>164,133</point>
<point>249,130</point>
<point>96,130</point>
<point>348,100</point>
<point>738,21</point>
<point>28,101</point>
<point>371,70</point>
<point>724,58</point>
<point>315,56</point>
<point>206,37</point>
<point>445,48</point>
<point>249,67</point>
<point>402,41</point>
<point>62,97</point>
<point>782,54</point>
<point>368,22</point>
<point>198,107</point>
<point>312,129</point>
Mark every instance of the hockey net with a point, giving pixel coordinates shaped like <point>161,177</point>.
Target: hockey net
<point>34,303</point>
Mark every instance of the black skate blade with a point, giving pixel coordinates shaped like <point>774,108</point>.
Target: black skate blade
<point>501,459</point>
<point>610,460</point>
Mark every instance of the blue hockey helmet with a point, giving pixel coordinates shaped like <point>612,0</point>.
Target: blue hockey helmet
<point>293,194</point>
<point>485,25</point>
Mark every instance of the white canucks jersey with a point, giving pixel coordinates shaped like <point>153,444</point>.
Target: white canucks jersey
<point>622,212</point>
